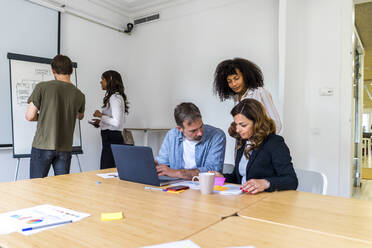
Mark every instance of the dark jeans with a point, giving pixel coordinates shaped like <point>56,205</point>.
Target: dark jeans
<point>41,160</point>
<point>109,137</point>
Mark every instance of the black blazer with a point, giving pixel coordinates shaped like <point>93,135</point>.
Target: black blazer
<point>271,161</point>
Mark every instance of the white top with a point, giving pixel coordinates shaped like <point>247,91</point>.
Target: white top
<point>113,114</point>
<point>243,165</point>
<point>263,96</point>
<point>189,153</point>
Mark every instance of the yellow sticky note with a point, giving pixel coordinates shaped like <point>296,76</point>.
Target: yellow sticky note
<point>219,188</point>
<point>111,216</point>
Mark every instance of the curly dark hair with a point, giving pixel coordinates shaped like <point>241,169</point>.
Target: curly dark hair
<point>252,76</point>
<point>114,84</point>
<point>262,124</point>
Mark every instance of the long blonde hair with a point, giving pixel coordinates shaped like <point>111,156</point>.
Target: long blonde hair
<point>262,124</point>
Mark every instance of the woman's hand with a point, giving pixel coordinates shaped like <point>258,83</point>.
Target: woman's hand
<point>97,113</point>
<point>254,186</point>
<point>96,122</point>
<point>216,174</point>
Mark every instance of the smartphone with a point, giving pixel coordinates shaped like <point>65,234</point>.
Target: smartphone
<point>178,188</point>
<point>94,122</point>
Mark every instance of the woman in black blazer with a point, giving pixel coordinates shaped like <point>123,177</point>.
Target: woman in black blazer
<point>263,162</point>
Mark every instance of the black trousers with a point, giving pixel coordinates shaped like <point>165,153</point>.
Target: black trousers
<point>109,137</point>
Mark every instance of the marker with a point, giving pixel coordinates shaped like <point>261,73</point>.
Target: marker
<point>46,225</point>
<point>152,188</point>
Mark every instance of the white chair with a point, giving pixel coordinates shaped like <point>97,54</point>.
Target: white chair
<point>311,181</point>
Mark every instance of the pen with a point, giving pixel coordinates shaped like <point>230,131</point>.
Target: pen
<point>152,188</point>
<point>46,225</point>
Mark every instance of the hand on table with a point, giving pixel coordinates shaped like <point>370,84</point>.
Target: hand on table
<point>254,186</point>
<point>216,173</point>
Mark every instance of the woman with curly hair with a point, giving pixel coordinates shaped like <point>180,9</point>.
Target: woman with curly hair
<point>263,162</point>
<point>115,106</point>
<point>241,79</point>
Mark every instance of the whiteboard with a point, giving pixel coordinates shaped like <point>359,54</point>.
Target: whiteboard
<point>27,28</point>
<point>25,73</point>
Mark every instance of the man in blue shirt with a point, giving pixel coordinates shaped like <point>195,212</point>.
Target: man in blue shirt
<point>191,147</point>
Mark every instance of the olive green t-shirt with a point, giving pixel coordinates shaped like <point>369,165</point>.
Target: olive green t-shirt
<point>58,103</point>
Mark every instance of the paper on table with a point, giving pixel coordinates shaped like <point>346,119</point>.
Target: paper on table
<point>38,216</point>
<point>108,175</point>
<point>178,244</point>
<point>232,189</point>
<point>7,225</point>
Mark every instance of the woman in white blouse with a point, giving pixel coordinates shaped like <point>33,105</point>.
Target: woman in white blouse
<point>241,79</point>
<point>115,106</point>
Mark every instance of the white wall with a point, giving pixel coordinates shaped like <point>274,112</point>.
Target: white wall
<point>95,49</point>
<point>20,21</point>
<point>173,60</point>
<point>318,54</point>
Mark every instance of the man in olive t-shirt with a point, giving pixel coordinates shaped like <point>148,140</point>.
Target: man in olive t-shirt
<point>55,105</point>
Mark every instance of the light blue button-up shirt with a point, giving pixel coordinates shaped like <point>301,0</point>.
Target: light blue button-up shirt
<point>209,152</point>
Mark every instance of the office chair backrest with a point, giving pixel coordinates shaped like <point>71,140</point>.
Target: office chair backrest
<point>311,181</point>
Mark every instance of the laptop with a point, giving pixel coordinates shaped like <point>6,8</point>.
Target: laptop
<point>136,164</point>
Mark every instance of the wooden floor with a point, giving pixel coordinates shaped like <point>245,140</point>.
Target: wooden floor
<point>365,191</point>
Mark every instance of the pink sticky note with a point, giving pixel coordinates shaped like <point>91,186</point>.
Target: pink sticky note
<point>219,181</point>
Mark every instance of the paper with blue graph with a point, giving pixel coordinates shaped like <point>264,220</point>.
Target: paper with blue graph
<point>36,219</point>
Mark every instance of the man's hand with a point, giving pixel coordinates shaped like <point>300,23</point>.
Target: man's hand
<point>164,170</point>
<point>216,173</point>
<point>31,114</point>
<point>80,116</point>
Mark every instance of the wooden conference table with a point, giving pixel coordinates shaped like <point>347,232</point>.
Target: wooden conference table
<point>153,217</point>
<point>237,231</point>
<point>331,215</point>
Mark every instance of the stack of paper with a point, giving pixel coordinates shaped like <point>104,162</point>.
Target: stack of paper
<point>232,189</point>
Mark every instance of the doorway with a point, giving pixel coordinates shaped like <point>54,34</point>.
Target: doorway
<point>362,88</point>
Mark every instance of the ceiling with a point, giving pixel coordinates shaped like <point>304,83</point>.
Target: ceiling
<point>126,8</point>
<point>132,6</point>
<point>363,23</point>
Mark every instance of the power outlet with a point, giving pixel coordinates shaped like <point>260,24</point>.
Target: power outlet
<point>326,91</point>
